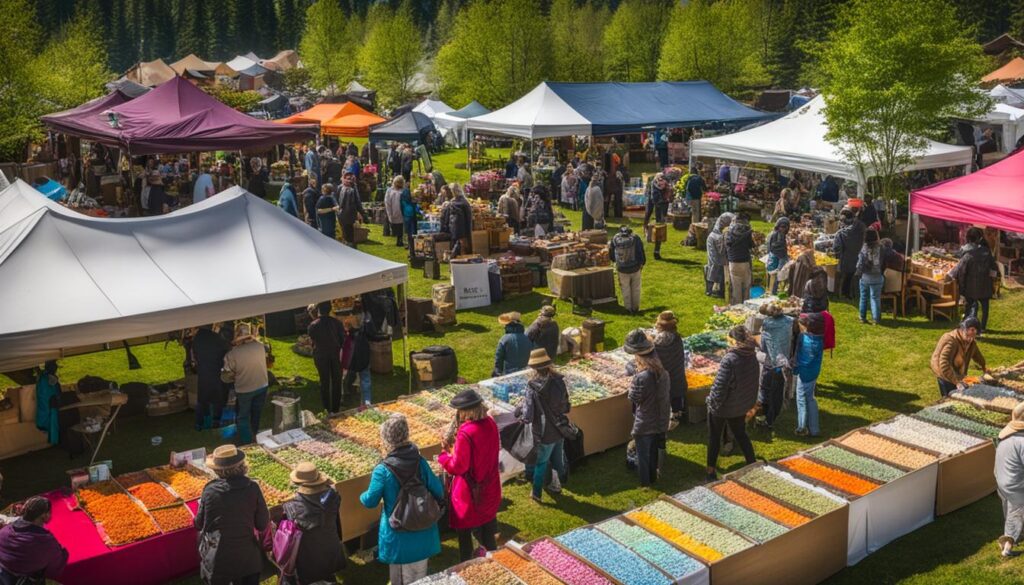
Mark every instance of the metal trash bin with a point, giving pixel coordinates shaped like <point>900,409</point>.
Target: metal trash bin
<point>287,411</point>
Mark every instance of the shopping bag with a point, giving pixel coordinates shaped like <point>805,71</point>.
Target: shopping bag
<point>517,439</point>
<point>286,546</point>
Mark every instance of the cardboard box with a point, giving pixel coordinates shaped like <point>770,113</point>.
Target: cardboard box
<point>361,235</point>
<point>479,242</point>
<point>442,293</point>
<point>605,423</point>
<point>498,239</point>
<point>595,236</point>
<point>418,309</point>
<point>965,478</point>
<point>657,232</point>
<point>19,438</point>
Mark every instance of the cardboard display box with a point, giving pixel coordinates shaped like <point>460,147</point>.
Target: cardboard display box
<point>605,423</point>
<point>965,478</point>
<point>498,239</point>
<point>480,242</point>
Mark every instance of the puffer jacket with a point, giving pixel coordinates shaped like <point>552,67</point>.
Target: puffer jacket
<point>870,264</point>
<point>717,258</point>
<point>544,333</point>
<point>953,355</point>
<point>513,350</point>
<point>734,391</point>
<point>816,295</point>
<point>652,408</point>
<point>810,348</point>
<point>669,347</point>
<point>393,205</point>
<point>973,272</point>
<point>847,244</point>
<point>593,201</point>
<point>739,242</point>
<point>777,241</point>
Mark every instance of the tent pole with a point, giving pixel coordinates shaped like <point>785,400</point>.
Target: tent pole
<point>917,232</point>
<point>910,221</point>
<point>103,435</point>
<point>405,336</point>
<point>469,154</point>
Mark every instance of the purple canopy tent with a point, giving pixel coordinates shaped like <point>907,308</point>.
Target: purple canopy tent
<point>174,117</point>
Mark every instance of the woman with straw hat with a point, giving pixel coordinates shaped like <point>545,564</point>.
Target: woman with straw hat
<point>316,508</point>
<point>246,364</point>
<point>405,551</point>
<point>652,410</point>
<point>1009,472</point>
<point>669,347</point>
<point>231,513</point>
<point>546,405</point>
<point>514,347</point>
<point>544,331</point>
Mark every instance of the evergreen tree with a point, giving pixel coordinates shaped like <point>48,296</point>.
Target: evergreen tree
<point>219,45</point>
<point>264,24</point>
<point>633,38</point>
<point>803,27</point>
<point>289,24</point>
<point>242,30</point>
<point>576,33</point>
<point>162,30</point>
<point>193,30</point>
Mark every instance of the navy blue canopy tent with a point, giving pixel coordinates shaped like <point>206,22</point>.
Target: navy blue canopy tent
<point>597,109</point>
<point>409,127</point>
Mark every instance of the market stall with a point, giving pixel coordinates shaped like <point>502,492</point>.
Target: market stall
<point>346,119</point>
<point>453,123</point>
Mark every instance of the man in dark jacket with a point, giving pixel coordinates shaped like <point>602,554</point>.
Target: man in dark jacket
<point>547,400</point>
<point>659,195</point>
<point>652,410</point>
<point>460,221</point>
<point>316,509</point>
<point>974,276</point>
<point>669,347</point>
<point>695,188</point>
<point>309,198</point>
<point>514,347</point>
<point>739,243</point>
<point>357,364</point>
<point>544,331</point>
<point>208,351</point>
<point>846,247</point>
<point>350,209</point>
<point>627,251</point>
<point>328,337</point>
<point>231,512</point>
<point>778,250</point>
<point>733,394</point>
<point>29,553</point>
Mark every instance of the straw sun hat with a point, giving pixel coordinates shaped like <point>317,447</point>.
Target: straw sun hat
<point>1016,422</point>
<point>506,318</point>
<point>309,479</point>
<point>225,457</point>
<point>539,358</point>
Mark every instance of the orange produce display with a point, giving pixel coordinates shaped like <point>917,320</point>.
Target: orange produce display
<point>122,519</point>
<point>185,483</point>
<point>95,492</point>
<point>153,495</point>
<point>528,571</point>
<point>755,501</point>
<point>173,518</point>
<point>846,482</point>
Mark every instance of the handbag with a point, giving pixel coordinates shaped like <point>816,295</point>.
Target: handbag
<point>565,427</point>
<point>285,547</point>
<point>517,438</point>
<point>208,544</point>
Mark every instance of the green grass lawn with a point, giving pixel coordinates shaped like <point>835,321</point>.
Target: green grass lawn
<point>874,373</point>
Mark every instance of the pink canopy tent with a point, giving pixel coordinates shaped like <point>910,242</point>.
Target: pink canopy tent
<point>993,196</point>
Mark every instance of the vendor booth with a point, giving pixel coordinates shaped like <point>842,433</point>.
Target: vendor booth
<point>453,124</point>
<point>409,127</point>
<point>1012,72</point>
<point>346,119</point>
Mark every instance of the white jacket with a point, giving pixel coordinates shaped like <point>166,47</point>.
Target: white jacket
<point>393,205</point>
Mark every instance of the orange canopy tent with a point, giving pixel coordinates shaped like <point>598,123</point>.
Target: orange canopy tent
<point>1012,71</point>
<point>347,119</point>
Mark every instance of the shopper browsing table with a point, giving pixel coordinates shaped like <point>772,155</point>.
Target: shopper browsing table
<point>810,349</point>
<point>246,364</point>
<point>316,508</point>
<point>974,275</point>
<point>627,251</point>
<point>652,410</point>
<point>1009,470</point>
<point>733,394</point>
<point>777,345</point>
<point>718,260</point>
<point>208,351</point>
<point>513,351</point>
<point>470,454</point>
<point>871,268</point>
<point>231,513</point>
<point>350,208</point>
<point>29,553</point>
<point>953,356</point>
<point>328,336</point>
<point>546,406</point>
<point>659,195</point>
<point>739,247</point>
<point>406,552</point>
<point>544,331</point>
<point>846,247</point>
<point>669,347</point>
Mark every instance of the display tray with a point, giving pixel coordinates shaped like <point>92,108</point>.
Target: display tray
<point>605,423</point>
<point>965,478</point>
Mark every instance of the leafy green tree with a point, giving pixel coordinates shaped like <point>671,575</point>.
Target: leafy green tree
<point>327,45</point>
<point>576,34</point>
<point>391,54</point>
<point>719,42</point>
<point>19,110</point>
<point>496,52</point>
<point>65,83</point>
<point>893,73</point>
<point>633,38</point>
<point>243,101</point>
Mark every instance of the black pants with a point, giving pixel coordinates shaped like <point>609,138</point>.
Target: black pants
<point>709,287</point>
<point>737,425</point>
<point>648,449</point>
<point>328,367</point>
<point>348,232</point>
<point>514,224</point>
<point>484,534</point>
<point>849,279</point>
<point>773,385</point>
<point>659,217</point>
<point>209,408</point>
<point>971,309</point>
<point>945,387</point>
<point>588,221</point>
<point>396,230</point>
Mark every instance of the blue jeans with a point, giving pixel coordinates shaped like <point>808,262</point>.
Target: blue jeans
<point>548,452</point>
<point>364,383</point>
<point>807,406</point>
<point>250,407</point>
<point>874,291</point>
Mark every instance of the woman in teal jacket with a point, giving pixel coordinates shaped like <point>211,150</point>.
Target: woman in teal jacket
<point>405,552</point>
<point>810,347</point>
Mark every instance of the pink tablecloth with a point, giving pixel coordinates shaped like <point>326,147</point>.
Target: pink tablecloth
<point>149,562</point>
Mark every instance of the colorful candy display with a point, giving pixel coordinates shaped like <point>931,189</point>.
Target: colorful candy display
<point>173,518</point>
<point>718,539</point>
<point>613,558</point>
<point>781,488</point>
<point>866,466</point>
<point>652,548</point>
<point>294,455</point>
<point>486,572</point>
<point>563,565</point>
<point>127,480</point>
<point>273,496</point>
<point>887,450</point>
<point>441,579</point>
<point>528,571</point>
<point>264,468</point>
<point>755,501</point>
<point>740,519</point>
<point>972,412</point>
<point>122,519</point>
<point>185,482</point>
<point>829,476</point>
<point>929,436</point>
<point>959,423</point>
<point>992,396</point>
<point>153,495</point>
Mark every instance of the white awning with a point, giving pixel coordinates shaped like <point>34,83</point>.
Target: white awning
<point>538,114</point>
<point>70,280</point>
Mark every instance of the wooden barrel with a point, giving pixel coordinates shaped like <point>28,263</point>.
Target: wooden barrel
<point>381,361</point>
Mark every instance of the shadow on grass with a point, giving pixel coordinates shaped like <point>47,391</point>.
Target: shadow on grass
<point>856,395</point>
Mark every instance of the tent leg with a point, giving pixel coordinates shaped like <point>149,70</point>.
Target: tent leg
<point>103,435</point>
<point>917,232</point>
<point>469,154</point>
<point>404,299</point>
<point>910,222</point>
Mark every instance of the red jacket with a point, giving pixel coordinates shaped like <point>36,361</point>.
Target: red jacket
<point>474,455</point>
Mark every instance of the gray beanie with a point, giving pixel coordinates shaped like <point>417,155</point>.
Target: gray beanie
<point>394,432</point>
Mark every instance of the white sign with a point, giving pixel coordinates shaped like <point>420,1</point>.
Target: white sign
<point>179,459</point>
<point>472,288</point>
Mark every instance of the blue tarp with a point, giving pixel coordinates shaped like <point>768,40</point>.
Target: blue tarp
<point>473,108</point>
<point>623,108</point>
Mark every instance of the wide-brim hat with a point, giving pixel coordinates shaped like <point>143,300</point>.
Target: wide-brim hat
<point>466,399</point>
<point>539,358</point>
<point>225,457</point>
<point>1016,422</point>
<point>637,343</point>
<point>548,310</point>
<point>510,317</point>
<point>667,318</point>
<point>309,479</point>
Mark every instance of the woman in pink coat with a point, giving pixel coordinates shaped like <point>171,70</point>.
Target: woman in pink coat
<point>470,455</point>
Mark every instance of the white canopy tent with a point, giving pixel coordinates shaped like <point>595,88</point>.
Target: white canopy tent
<point>797,141</point>
<point>1011,120</point>
<point>541,113</point>
<point>1007,95</point>
<point>70,280</point>
<point>431,108</point>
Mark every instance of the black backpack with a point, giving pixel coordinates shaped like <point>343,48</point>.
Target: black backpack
<point>360,351</point>
<point>415,508</point>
